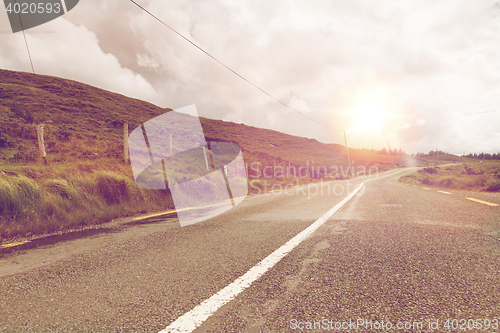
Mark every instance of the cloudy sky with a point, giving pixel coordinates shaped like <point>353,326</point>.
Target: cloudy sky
<point>422,75</point>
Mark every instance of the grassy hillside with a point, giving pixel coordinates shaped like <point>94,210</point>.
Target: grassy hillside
<point>86,180</point>
<point>86,122</point>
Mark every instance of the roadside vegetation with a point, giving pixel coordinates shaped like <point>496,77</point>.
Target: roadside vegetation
<point>42,199</point>
<point>86,180</point>
<point>475,176</point>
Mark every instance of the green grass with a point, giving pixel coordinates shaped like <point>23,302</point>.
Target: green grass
<point>476,176</point>
<point>63,200</point>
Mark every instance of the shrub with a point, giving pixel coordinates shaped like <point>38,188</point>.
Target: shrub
<point>448,181</point>
<point>477,181</point>
<point>64,135</point>
<point>428,181</point>
<point>430,170</point>
<point>6,141</point>
<point>493,187</point>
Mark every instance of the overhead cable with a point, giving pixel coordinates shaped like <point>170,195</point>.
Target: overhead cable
<point>229,69</point>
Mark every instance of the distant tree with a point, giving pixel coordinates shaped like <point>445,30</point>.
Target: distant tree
<point>484,156</point>
<point>383,151</point>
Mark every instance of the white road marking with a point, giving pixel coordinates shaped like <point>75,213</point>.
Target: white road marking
<point>194,318</point>
<point>484,202</point>
<point>444,192</point>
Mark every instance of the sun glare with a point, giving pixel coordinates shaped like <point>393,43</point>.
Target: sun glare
<point>368,114</point>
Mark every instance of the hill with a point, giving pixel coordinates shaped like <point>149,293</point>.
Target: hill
<point>91,119</point>
<point>87,181</point>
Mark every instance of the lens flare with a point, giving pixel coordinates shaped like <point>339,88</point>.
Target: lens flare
<point>368,115</point>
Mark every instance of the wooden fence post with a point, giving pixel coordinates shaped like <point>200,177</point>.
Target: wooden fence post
<point>125,142</point>
<point>41,145</point>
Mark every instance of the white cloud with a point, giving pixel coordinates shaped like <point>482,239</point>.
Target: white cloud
<point>145,61</point>
<point>65,50</point>
<point>435,64</point>
<point>393,134</point>
<point>299,104</point>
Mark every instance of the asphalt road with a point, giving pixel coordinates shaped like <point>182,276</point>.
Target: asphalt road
<point>393,253</point>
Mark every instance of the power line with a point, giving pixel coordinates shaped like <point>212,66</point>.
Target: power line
<point>25,40</point>
<point>27,48</point>
<point>229,69</point>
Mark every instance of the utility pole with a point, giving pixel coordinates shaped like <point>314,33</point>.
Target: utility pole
<point>170,144</point>
<point>348,158</point>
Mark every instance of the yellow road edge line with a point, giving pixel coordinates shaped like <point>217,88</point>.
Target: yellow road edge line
<point>156,214</point>
<point>13,244</point>
<point>483,202</point>
<point>172,211</point>
<point>246,196</point>
<point>445,192</point>
<point>426,188</point>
